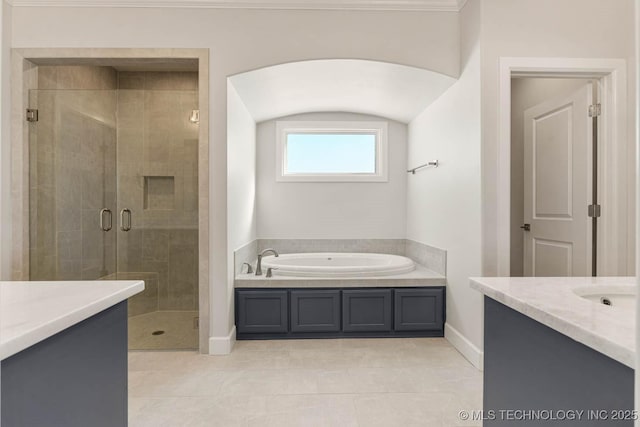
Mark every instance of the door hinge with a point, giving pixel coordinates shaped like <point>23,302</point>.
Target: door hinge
<point>32,115</point>
<point>594,211</point>
<point>595,110</point>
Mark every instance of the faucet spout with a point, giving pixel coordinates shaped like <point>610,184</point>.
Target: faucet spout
<point>260,255</point>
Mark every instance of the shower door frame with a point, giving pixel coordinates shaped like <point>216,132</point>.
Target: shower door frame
<point>24,62</point>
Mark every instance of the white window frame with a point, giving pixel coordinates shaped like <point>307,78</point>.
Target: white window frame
<point>379,128</point>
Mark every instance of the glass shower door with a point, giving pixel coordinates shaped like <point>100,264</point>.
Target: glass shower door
<point>114,196</point>
<point>72,185</point>
<point>158,196</point>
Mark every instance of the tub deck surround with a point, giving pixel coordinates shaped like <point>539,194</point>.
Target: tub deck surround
<point>421,276</point>
<point>432,258</point>
<point>554,302</point>
<point>31,312</point>
<point>340,295</point>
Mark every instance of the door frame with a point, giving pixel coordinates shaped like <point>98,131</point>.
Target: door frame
<point>615,253</point>
<point>24,78</point>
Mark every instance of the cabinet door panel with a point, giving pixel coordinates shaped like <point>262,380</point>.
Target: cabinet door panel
<point>366,310</point>
<point>315,311</point>
<point>262,312</point>
<point>419,309</point>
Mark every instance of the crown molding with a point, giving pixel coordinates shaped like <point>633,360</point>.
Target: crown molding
<point>398,5</point>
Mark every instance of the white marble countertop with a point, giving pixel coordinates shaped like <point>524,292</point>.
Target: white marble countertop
<point>553,302</point>
<point>421,276</point>
<point>30,312</point>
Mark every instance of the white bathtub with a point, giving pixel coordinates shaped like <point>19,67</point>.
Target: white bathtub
<point>335,264</point>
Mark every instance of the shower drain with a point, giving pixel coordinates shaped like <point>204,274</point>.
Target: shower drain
<point>157,332</point>
<point>605,301</point>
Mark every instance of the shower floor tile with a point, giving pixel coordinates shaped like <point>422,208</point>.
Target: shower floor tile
<point>174,330</point>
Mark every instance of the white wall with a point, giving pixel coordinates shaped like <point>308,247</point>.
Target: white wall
<point>242,40</point>
<point>241,191</point>
<point>525,93</point>
<point>241,172</point>
<point>443,204</point>
<point>5,145</point>
<point>331,210</point>
<point>544,28</point>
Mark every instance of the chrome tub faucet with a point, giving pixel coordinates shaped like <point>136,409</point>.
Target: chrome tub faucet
<point>260,255</point>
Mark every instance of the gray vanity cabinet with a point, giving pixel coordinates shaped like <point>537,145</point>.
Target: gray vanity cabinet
<point>315,310</point>
<point>533,368</point>
<point>418,309</point>
<point>366,310</point>
<point>75,378</point>
<point>262,311</point>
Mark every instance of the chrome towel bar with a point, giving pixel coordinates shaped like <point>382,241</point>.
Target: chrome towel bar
<point>434,163</point>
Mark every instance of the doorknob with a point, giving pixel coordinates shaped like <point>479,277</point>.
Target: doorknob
<point>526,227</point>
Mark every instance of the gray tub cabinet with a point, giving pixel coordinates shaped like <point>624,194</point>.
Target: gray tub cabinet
<point>263,312</point>
<point>315,310</point>
<point>366,310</point>
<point>340,312</point>
<point>410,312</point>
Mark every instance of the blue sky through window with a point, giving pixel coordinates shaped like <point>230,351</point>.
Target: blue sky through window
<point>330,153</point>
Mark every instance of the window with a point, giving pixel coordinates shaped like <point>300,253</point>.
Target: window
<point>331,151</point>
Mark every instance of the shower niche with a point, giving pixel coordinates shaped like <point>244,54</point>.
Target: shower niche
<point>113,193</point>
<point>159,192</point>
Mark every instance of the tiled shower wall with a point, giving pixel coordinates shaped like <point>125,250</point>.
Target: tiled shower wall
<point>72,151</point>
<point>158,181</point>
<point>100,128</point>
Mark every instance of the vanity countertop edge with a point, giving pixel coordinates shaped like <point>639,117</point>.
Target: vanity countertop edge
<point>553,302</point>
<point>31,312</point>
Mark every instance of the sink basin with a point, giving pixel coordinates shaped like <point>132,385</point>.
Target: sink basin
<point>615,296</point>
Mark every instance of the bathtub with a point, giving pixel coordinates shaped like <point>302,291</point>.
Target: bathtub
<point>336,264</point>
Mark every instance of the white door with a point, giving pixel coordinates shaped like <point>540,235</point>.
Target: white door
<point>557,186</point>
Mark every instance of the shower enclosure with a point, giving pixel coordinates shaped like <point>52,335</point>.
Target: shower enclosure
<point>114,190</point>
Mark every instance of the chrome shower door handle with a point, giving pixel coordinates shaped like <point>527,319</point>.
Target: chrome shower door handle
<point>110,223</point>
<point>125,225</point>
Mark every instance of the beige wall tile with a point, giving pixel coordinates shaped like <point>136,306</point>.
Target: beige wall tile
<point>78,148</point>
<point>155,245</point>
<point>76,77</point>
<point>130,80</point>
<point>171,81</point>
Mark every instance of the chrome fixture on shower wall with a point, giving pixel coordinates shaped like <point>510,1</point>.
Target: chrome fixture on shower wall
<point>434,163</point>
<point>195,116</point>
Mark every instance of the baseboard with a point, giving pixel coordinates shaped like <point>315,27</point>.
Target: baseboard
<point>222,345</point>
<point>470,352</point>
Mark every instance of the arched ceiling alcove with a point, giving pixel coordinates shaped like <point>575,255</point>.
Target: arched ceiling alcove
<point>397,92</point>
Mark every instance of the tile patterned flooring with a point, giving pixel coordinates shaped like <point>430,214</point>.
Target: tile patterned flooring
<point>342,382</point>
